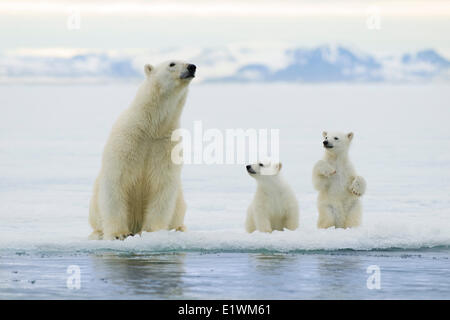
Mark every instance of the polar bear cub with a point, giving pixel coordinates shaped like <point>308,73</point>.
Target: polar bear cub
<point>274,206</point>
<point>340,188</point>
<point>139,186</point>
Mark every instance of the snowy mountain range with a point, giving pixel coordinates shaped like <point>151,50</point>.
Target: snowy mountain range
<point>227,64</point>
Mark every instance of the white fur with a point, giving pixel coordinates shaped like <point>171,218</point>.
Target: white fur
<point>340,188</point>
<point>274,206</point>
<point>139,187</point>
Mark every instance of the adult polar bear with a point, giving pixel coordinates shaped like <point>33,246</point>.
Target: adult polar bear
<point>139,187</point>
<point>338,184</point>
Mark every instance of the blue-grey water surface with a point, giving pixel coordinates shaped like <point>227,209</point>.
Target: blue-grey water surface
<point>418,274</point>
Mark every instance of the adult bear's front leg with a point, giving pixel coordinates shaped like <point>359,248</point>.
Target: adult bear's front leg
<point>177,221</point>
<point>159,211</point>
<point>113,208</point>
<point>263,224</point>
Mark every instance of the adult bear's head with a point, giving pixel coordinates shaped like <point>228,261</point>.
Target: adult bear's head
<point>162,95</point>
<point>170,75</point>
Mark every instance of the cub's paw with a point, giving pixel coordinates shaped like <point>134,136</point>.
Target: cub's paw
<point>358,186</point>
<point>325,169</point>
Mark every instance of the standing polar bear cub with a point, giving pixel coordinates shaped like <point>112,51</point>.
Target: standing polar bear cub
<point>274,206</point>
<point>338,184</point>
<point>139,187</point>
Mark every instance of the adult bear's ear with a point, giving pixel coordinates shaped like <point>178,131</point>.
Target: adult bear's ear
<point>350,136</point>
<point>324,134</point>
<point>148,68</point>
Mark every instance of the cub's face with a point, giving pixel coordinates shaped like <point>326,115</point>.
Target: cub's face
<point>264,168</point>
<point>336,142</point>
<point>171,74</point>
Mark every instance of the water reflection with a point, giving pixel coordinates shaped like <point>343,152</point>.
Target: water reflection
<point>311,276</point>
<point>272,264</point>
<point>155,276</point>
<point>282,272</point>
<point>339,275</point>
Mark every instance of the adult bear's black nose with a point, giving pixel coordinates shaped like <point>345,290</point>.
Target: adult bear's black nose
<point>191,68</point>
<point>248,167</point>
<point>325,143</point>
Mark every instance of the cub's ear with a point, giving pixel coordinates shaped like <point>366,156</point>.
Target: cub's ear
<point>350,136</point>
<point>279,166</point>
<point>324,134</point>
<point>148,68</point>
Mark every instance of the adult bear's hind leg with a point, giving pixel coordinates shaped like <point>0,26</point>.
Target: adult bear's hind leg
<point>94,215</point>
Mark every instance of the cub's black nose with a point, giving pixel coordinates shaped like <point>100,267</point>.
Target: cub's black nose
<point>248,167</point>
<point>191,68</point>
<point>325,143</point>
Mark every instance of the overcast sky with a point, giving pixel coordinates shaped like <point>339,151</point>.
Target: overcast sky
<point>374,26</point>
